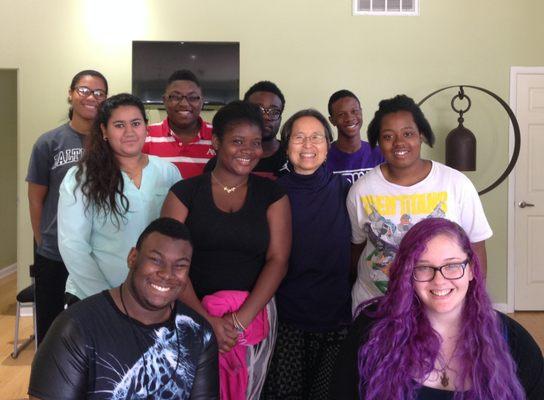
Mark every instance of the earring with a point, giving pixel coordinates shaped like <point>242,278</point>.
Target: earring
<point>104,138</point>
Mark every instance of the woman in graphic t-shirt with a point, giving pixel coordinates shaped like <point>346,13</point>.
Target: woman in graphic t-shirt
<point>406,188</point>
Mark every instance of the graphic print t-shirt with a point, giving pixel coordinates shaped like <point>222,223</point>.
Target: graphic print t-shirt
<point>382,212</point>
<point>94,351</point>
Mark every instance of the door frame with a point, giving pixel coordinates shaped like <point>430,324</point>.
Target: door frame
<point>511,271</point>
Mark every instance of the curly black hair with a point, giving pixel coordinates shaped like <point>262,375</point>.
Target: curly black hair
<point>340,94</point>
<point>234,113</point>
<point>266,86</point>
<point>183,75</point>
<point>398,103</point>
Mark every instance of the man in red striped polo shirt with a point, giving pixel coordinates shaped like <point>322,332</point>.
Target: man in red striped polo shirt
<point>183,138</point>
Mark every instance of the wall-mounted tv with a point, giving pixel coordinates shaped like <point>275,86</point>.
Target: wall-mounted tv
<point>216,64</point>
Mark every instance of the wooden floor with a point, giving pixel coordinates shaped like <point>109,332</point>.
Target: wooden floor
<point>14,374</point>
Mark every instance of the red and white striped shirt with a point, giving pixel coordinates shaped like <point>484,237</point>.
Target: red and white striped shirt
<point>190,158</point>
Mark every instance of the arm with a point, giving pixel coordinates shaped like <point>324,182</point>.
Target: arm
<point>206,382</point>
<point>60,367</point>
<point>357,215</point>
<point>277,257</point>
<point>356,250</point>
<point>223,328</point>
<point>74,234</point>
<point>479,249</point>
<point>527,357</point>
<point>473,219</point>
<point>36,198</point>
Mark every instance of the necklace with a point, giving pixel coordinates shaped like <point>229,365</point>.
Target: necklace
<point>227,189</point>
<point>132,329</point>
<point>444,378</point>
<point>443,374</point>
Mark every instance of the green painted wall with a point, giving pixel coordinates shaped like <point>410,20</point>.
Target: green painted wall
<point>8,172</point>
<point>310,48</point>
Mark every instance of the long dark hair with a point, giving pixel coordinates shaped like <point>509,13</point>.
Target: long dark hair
<point>402,347</point>
<point>99,173</point>
<point>75,81</point>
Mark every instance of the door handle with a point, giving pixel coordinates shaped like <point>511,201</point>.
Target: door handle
<point>523,204</point>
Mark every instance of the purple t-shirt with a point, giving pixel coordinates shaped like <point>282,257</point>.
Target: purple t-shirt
<point>353,165</point>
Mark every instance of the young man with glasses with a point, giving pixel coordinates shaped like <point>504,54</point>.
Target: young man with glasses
<point>271,101</point>
<point>53,154</point>
<point>183,138</point>
<point>349,156</point>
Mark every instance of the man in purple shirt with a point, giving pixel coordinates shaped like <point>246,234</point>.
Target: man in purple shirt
<point>349,155</point>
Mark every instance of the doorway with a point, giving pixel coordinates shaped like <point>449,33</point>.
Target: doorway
<point>8,171</point>
<point>526,210</point>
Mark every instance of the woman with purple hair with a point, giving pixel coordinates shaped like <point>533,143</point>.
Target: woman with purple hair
<point>435,335</point>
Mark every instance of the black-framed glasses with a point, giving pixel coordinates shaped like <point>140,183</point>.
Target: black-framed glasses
<point>450,272</point>
<point>315,138</point>
<point>272,113</point>
<point>84,91</point>
<point>178,98</point>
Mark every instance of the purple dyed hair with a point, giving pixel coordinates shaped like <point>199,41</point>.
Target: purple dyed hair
<point>402,347</point>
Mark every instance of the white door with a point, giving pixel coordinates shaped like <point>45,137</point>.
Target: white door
<point>529,191</point>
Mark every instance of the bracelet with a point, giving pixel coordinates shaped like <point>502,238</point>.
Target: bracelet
<point>237,324</point>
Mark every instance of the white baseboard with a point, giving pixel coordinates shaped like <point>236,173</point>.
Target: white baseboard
<point>502,307</point>
<point>10,269</point>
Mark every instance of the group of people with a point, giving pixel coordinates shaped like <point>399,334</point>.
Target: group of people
<point>211,261</point>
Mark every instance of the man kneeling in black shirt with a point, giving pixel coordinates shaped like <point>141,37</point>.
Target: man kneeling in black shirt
<point>135,341</point>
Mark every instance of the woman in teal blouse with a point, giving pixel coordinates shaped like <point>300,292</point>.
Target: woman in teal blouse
<point>109,198</point>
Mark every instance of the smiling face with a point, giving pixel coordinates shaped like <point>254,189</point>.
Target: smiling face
<point>86,107</point>
<point>272,103</point>
<point>307,148</point>
<point>347,116</point>
<point>240,148</point>
<point>159,272</point>
<point>125,131</point>
<point>441,297</point>
<point>183,112</point>
<point>400,140</point>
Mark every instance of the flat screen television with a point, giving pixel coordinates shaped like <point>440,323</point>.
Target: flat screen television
<point>216,65</point>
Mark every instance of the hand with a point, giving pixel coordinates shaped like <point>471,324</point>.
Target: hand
<point>225,332</point>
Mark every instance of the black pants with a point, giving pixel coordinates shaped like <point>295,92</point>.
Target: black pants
<point>50,284</point>
<point>302,364</point>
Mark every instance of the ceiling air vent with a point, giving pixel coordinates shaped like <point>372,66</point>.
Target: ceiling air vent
<point>386,7</point>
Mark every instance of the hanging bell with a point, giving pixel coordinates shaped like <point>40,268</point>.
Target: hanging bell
<point>461,148</point>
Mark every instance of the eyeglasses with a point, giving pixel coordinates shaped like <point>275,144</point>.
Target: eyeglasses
<point>315,138</point>
<point>272,113</point>
<point>84,91</point>
<point>449,271</point>
<point>178,98</point>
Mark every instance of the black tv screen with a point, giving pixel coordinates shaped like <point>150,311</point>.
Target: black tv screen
<point>216,65</point>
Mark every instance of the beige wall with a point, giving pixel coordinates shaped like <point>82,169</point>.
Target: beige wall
<point>8,172</point>
<point>310,48</point>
